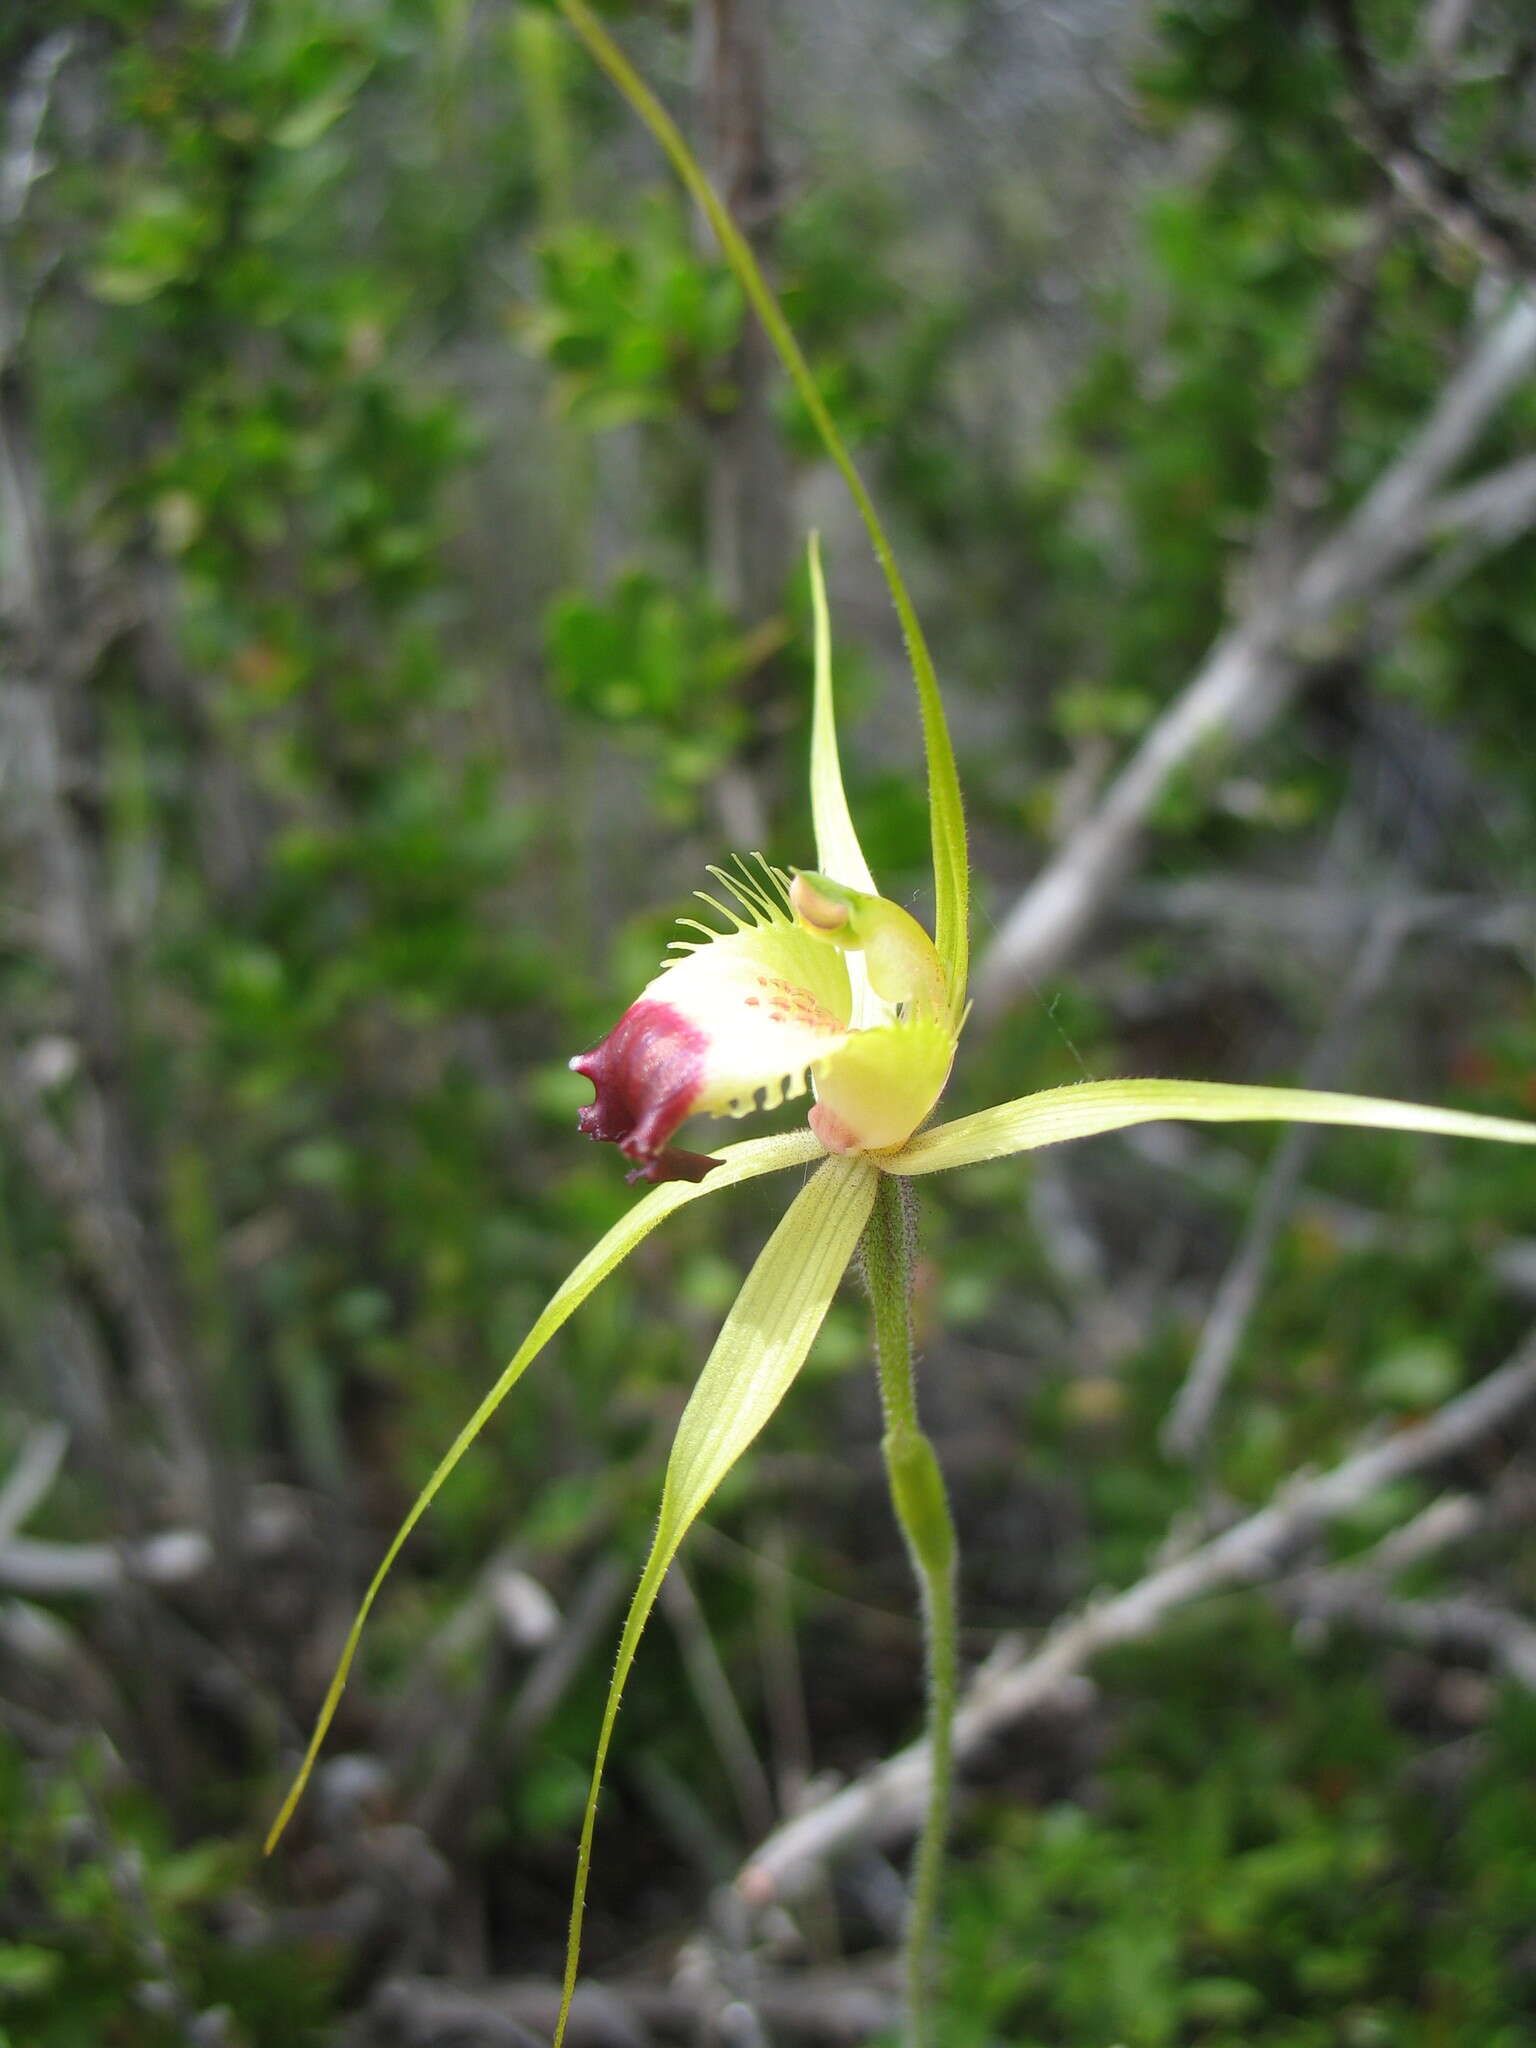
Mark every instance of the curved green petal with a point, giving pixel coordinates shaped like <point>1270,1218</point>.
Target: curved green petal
<point>879,1085</point>
<point>737,1163</point>
<point>838,852</point>
<point>1057,1114</point>
<point>946,814</point>
<point>760,1349</point>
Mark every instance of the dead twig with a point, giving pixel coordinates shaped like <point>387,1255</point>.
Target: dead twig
<point>1189,1420</point>
<point>1253,671</point>
<point>746,482</point>
<point>31,1477</point>
<point>717,1703</point>
<point>53,1571</point>
<point>1325,917</point>
<point>1221,1173</point>
<point>159,1992</point>
<point>99,1176</point>
<point>1457,1626</point>
<point>1446,195</point>
<point>1307,445</point>
<point>831,2008</point>
<point>883,1803</point>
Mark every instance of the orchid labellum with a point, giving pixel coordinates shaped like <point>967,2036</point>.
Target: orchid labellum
<point>755,1015</point>
<point>810,982</point>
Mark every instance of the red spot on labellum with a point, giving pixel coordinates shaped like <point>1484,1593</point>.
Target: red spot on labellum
<point>648,1073</point>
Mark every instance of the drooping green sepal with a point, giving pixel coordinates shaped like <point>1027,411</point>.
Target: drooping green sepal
<point>757,1355</point>
<point>738,1163</point>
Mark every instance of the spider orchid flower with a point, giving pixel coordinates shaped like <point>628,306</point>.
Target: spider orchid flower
<point>816,981</point>
<point>816,984</point>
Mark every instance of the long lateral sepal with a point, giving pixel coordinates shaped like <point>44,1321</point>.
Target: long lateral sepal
<point>737,1163</point>
<point>759,1351</point>
<point>1056,1115</point>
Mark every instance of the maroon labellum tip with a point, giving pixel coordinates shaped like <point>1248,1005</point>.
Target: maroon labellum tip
<point>647,1073</point>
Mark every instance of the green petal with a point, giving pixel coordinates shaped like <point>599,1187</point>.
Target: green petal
<point>876,1089</point>
<point>946,815</point>
<point>737,1163</point>
<point>760,1349</point>
<point>1057,1114</point>
<point>838,852</point>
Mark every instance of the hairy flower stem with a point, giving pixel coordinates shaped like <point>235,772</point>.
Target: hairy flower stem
<point>922,1509</point>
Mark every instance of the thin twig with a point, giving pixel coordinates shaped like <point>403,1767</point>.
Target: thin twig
<point>1221,1173</point>
<point>1444,194</point>
<point>115,1259</point>
<point>779,1664</point>
<point>595,1602</point>
<point>834,2008</point>
<point>1497,509</point>
<point>1189,1420</point>
<point>884,1803</point>
<point>100,1179</point>
<point>1251,673</point>
<point>51,1571</point>
<point>22,162</point>
<point>746,482</point>
<point>1322,917</point>
<point>717,1702</point>
<point>1457,1626</point>
<point>1308,442</point>
<point>1359,1595</point>
<point>31,1477</point>
<point>160,1991</point>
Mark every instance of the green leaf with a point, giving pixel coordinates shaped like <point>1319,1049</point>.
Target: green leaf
<point>26,1969</point>
<point>157,241</point>
<point>838,852</point>
<point>737,1163</point>
<point>760,1349</point>
<point>946,815</point>
<point>329,97</point>
<point>1058,1114</point>
<point>1419,1374</point>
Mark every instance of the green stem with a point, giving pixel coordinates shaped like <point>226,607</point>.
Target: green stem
<point>922,1509</point>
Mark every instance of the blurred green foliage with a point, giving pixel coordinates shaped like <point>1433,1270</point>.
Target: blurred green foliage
<point>1268,1862</point>
<point>122,1924</point>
